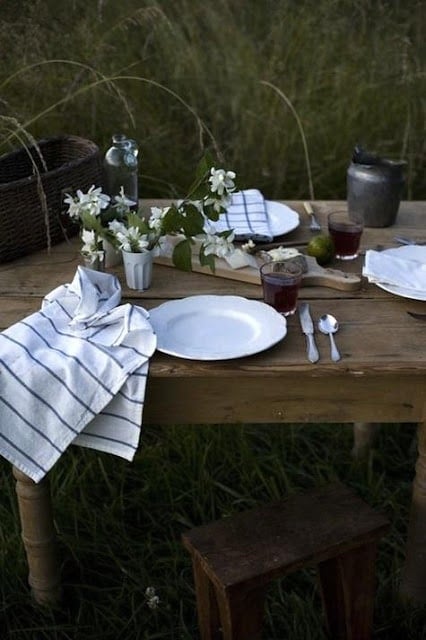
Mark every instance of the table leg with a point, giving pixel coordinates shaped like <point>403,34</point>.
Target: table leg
<point>413,585</point>
<point>364,436</point>
<point>38,535</point>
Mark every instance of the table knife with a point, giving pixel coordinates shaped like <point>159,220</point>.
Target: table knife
<point>417,316</point>
<point>308,329</point>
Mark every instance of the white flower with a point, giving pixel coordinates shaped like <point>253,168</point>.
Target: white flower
<point>218,203</point>
<point>117,227</point>
<point>218,245</point>
<point>132,240</point>
<point>122,200</point>
<point>91,202</point>
<point>157,215</point>
<point>248,246</point>
<point>89,240</point>
<point>90,248</point>
<point>152,600</point>
<point>221,180</point>
<point>122,203</point>
<point>73,206</point>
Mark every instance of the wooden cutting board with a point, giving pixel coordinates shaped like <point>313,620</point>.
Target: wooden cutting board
<point>314,275</point>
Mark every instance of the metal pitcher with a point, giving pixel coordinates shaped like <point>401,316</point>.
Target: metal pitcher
<point>374,188</point>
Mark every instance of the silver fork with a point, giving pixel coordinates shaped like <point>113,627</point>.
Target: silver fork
<point>314,225</point>
<point>409,241</point>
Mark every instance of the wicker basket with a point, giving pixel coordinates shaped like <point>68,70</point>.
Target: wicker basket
<point>69,163</point>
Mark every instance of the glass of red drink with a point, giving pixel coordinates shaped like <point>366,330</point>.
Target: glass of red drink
<point>346,235</point>
<point>281,282</point>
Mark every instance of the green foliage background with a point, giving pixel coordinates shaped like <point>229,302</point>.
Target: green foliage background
<point>352,69</point>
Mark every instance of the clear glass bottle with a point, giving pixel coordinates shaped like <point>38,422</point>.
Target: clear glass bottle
<point>120,167</point>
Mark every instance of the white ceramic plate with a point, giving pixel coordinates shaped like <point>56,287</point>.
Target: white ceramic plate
<point>403,293</point>
<point>407,252</point>
<point>282,219</point>
<point>216,327</point>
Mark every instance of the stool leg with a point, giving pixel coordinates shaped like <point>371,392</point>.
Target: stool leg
<point>413,586</point>
<point>207,609</point>
<point>241,612</point>
<point>348,589</point>
<point>364,436</point>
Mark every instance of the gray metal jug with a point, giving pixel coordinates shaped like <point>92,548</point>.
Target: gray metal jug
<point>374,188</point>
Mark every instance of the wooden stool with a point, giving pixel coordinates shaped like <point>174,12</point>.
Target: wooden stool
<point>234,559</point>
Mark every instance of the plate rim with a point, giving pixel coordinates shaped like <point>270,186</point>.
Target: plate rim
<point>275,233</point>
<point>279,333</point>
<point>396,290</point>
<point>401,292</point>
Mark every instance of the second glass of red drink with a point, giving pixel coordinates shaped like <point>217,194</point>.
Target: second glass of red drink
<point>281,281</point>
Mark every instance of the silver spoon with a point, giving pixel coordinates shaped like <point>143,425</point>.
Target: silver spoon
<point>328,324</point>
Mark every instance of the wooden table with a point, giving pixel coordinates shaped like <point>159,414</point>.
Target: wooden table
<point>381,377</point>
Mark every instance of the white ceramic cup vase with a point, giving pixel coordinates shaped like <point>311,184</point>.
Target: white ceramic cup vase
<point>138,269</point>
<point>112,255</point>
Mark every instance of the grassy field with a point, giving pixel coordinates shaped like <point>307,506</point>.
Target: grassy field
<point>119,528</point>
<point>229,75</point>
<point>242,78</point>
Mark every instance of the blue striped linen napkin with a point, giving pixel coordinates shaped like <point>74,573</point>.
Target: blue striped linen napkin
<point>247,215</point>
<point>74,373</point>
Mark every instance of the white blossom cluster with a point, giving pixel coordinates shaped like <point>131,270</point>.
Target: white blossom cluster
<point>90,203</point>
<point>131,233</point>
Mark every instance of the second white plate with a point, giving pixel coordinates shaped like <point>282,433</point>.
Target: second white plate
<point>282,219</point>
<point>414,252</point>
<point>209,327</point>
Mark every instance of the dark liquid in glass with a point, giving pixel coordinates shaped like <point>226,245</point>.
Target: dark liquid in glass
<point>282,297</point>
<point>346,243</point>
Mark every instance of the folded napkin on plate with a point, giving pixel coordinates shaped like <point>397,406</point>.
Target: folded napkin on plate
<point>247,215</point>
<point>74,373</point>
<point>402,267</point>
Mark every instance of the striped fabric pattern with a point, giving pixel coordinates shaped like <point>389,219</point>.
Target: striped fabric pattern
<point>247,215</point>
<point>74,373</point>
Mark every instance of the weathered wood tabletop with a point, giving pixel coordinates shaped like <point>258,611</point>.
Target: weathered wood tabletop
<point>380,378</point>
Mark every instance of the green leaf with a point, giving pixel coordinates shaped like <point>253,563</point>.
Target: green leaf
<point>134,220</point>
<point>224,234</point>
<point>204,166</point>
<point>109,214</point>
<point>182,255</point>
<point>91,223</point>
<point>193,222</point>
<point>199,187</point>
<point>211,213</point>
<point>172,221</point>
<point>207,261</point>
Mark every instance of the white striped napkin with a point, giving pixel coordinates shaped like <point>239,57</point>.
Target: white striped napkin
<point>248,216</point>
<point>74,373</point>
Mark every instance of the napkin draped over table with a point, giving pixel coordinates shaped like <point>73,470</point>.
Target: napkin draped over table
<point>247,214</point>
<point>402,267</point>
<point>74,372</point>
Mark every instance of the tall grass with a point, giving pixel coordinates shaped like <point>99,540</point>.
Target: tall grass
<point>119,528</point>
<point>351,69</point>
